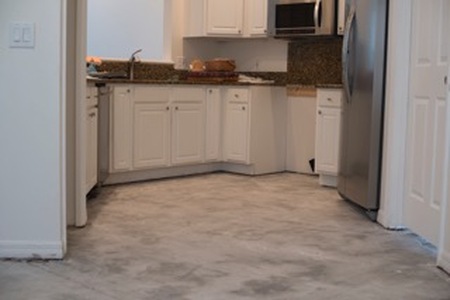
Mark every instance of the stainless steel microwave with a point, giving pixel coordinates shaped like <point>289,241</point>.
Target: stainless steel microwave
<point>296,18</point>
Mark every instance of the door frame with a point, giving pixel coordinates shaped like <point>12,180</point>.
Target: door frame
<point>444,253</point>
<point>80,111</point>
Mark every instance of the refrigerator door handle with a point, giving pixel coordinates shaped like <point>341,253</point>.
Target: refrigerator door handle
<point>346,51</point>
<point>316,13</point>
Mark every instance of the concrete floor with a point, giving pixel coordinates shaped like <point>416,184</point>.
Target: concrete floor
<point>225,236</point>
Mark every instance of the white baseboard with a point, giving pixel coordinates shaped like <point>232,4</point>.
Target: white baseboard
<point>444,261</point>
<point>31,250</point>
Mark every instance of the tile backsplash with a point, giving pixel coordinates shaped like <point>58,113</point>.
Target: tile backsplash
<point>313,61</point>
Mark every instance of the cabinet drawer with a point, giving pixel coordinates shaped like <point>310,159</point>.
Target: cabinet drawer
<point>189,94</point>
<point>151,94</point>
<point>329,97</point>
<point>238,95</point>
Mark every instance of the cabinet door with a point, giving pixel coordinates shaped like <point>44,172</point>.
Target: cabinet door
<point>237,133</point>
<point>188,133</point>
<point>224,17</point>
<point>92,148</point>
<point>327,140</point>
<point>151,146</point>
<point>213,124</point>
<point>257,17</point>
<point>121,130</point>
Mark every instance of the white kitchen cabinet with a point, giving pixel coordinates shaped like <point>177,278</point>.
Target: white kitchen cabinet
<point>91,137</point>
<point>224,17</point>
<point>188,125</point>
<point>328,128</point>
<point>213,124</point>
<point>151,145</point>
<point>151,127</point>
<point>121,129</point>
<point>231,18</point>
<point>237,125</point>
<point>256,17</point>
<point>255,129</point>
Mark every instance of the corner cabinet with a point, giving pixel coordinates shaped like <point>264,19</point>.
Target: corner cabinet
<point>255,129</point>
<point>328,126</point>
<point>231,18</point>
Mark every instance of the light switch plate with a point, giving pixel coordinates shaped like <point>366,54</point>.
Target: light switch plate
<point>21,35</point>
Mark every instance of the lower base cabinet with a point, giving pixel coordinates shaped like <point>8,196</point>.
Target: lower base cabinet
<point>163,127</point>
<point>91,138</point>
<point>328,128</point>
<point>151,138</point>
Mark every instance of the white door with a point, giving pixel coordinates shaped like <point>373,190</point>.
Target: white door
<point>224,17</point>
<point>327,140</point>
<point>427,118</point>
<point>213,124</point>
<point>257,17</point>
<point>121,129</point>
<point>237,133</point>
<point>188,133</point>
<point>151,133</point>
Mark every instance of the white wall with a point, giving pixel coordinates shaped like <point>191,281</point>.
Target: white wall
<point>31,151</point>
<point>251,55</point>
<point>116,28</point>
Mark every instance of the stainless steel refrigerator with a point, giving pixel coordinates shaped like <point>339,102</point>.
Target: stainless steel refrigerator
<point>363,57</point>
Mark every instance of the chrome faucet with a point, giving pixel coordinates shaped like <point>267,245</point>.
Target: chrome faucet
<point>131,63</point>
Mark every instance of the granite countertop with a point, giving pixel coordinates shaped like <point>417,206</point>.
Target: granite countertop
<point>178,81</point>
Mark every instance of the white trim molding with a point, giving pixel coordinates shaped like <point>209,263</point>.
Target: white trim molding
<point>396,115</point>
<point>31,249</point>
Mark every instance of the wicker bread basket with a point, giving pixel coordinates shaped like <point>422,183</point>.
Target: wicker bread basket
<point>220,65</point>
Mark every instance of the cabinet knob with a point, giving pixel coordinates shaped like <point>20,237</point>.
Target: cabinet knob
<point>236,95</point>
<point>320,112</point>
<point>128,91</point>
<point>243,107</point>
<point>176,107</point>
<point>167,108</point>
<point>210,91</point>
<point>92,114</point>
<point>329,99</point>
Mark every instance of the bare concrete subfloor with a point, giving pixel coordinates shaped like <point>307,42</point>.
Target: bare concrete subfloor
<point>223,236</point>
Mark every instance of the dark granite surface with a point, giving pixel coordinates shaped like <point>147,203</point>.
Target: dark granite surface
<point>164,73</point>
<point>315,61</point>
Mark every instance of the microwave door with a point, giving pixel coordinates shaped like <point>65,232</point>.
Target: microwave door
<point>296,18</point>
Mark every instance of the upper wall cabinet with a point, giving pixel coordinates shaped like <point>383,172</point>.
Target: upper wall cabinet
<point>231,18</point>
